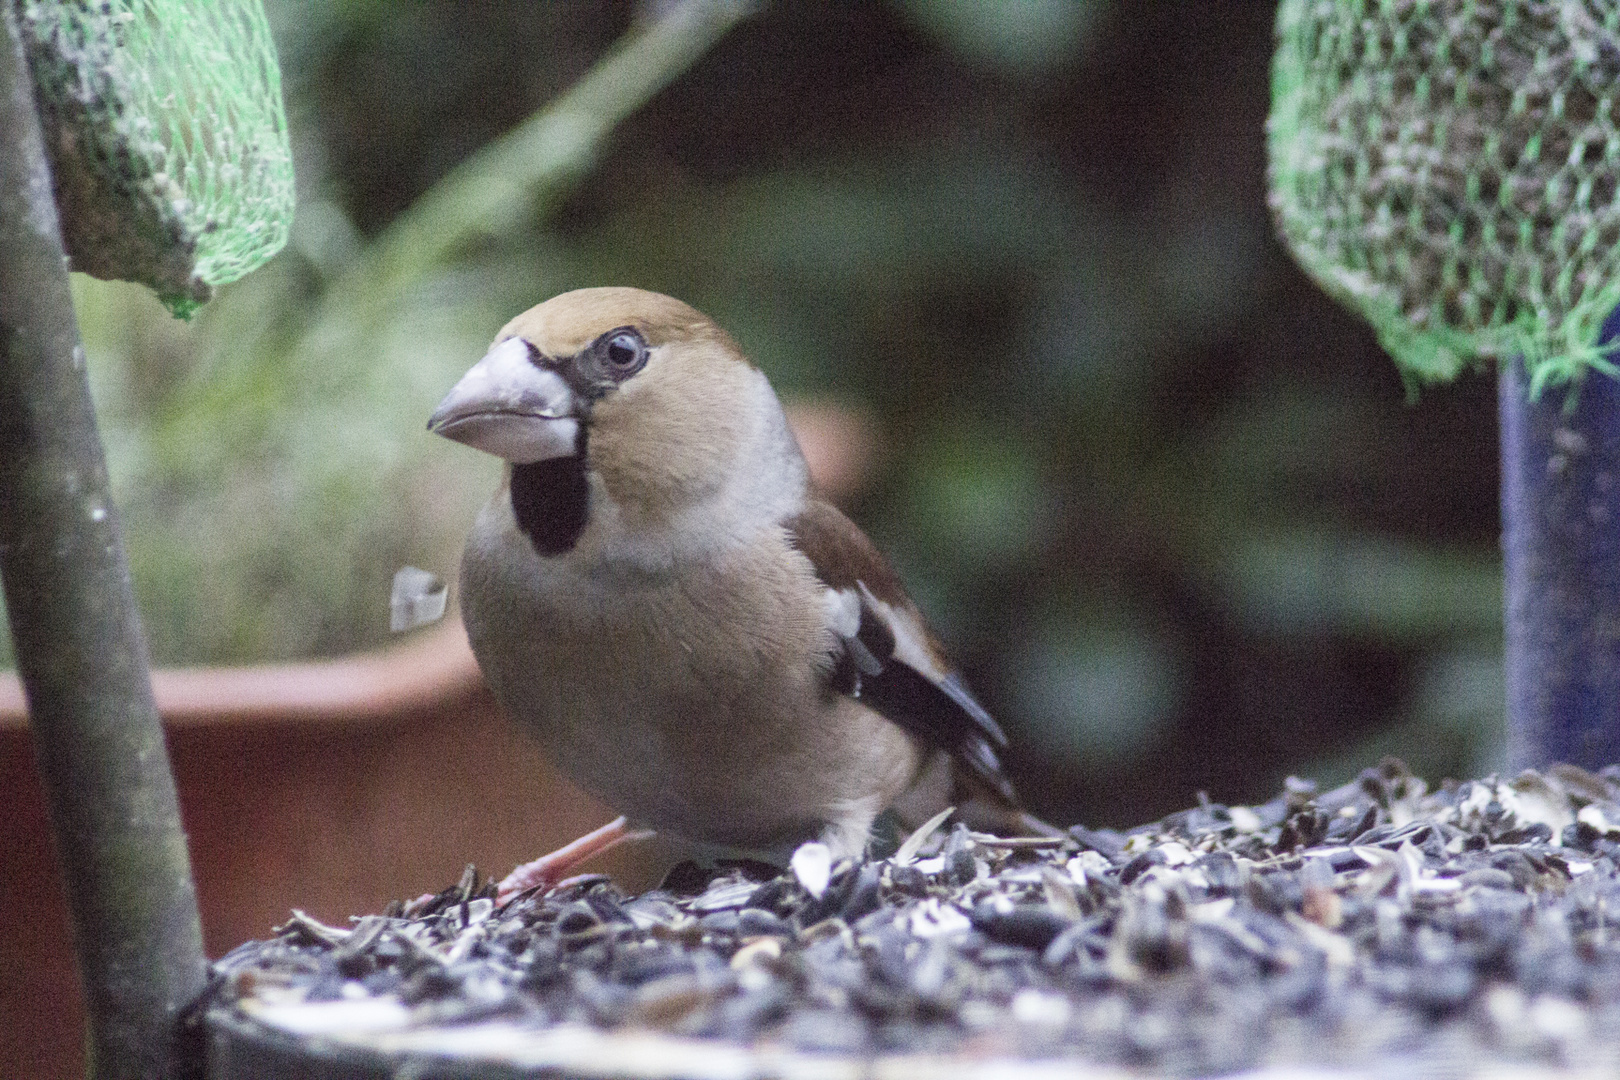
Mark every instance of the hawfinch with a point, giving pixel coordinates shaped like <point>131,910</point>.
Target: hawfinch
<point>659,597</point>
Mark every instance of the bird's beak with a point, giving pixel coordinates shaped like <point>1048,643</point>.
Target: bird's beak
<point>510,407</point>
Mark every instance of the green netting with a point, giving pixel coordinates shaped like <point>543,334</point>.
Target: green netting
<point>167,138</point>
<point>1448,168</point>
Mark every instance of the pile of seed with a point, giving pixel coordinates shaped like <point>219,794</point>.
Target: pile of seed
<point>1379,923</point>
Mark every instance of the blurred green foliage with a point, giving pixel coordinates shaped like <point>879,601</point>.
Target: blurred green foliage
<point>1167,502</point>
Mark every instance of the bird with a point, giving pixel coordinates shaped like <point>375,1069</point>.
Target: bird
<point>659,596</point>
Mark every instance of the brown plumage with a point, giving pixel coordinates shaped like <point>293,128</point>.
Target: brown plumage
<point>657,596</point>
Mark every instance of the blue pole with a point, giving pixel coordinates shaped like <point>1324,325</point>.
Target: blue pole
<point>1561,543</point>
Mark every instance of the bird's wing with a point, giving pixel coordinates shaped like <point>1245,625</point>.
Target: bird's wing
<point>887,658</point>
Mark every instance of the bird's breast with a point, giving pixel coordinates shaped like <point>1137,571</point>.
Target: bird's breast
<point>691,699</point>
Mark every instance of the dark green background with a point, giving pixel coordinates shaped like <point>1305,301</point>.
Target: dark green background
<point>1170,506</point>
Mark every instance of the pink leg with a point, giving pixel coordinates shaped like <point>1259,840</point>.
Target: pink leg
<point>546,871</point>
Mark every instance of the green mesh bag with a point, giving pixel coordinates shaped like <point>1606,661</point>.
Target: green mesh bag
<point>1448,168</point>
<point>167,138</point>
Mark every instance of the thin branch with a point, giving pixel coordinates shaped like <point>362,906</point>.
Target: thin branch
<point>496,189</point>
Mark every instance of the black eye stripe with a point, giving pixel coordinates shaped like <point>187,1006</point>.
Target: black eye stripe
<point>611,359</point>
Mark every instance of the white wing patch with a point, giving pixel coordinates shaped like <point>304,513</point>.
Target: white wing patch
<point>910,639</point>
<point>842,611</point>
<point>911,649</point>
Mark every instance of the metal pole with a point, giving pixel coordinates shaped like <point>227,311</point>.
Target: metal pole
<point>80,650</point>
<point>1561,542</point>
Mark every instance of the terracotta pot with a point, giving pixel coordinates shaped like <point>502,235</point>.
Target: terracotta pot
<point>333,786</point>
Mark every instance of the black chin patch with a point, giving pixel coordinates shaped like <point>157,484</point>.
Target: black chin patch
<point>549,500</point>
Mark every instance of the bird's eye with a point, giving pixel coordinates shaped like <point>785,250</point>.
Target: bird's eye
<point>624,353</point>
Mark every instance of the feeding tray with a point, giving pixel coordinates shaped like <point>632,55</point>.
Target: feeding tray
<point>1377,927</point>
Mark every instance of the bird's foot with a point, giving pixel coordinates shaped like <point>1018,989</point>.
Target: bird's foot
<point>548,871</point>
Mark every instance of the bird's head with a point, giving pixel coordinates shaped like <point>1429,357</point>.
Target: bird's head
<point>636,389</point>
